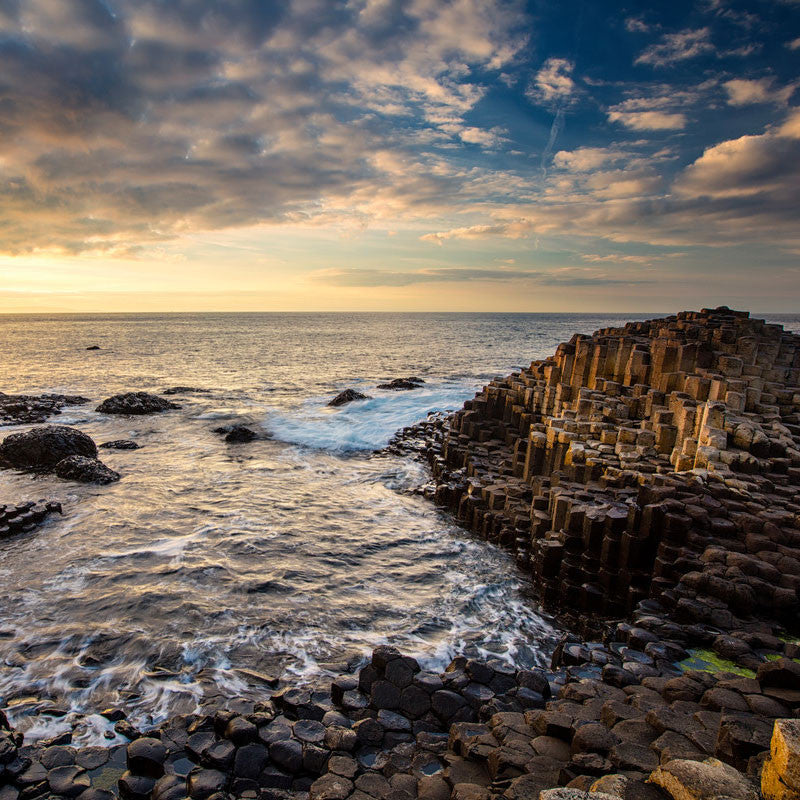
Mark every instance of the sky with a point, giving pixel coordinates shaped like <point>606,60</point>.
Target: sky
<point>449,155</point>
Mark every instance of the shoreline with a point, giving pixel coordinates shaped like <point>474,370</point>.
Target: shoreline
<point>637,475</point>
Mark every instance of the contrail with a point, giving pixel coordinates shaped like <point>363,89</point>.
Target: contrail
<point>555,130</point>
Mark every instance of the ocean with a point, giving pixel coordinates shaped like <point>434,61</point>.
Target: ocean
<point>211,567</point>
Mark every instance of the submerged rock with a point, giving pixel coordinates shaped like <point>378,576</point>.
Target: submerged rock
<point>120,444</point>
<point>93,347</point>
<point>237,433</point>
<point>348,396</point>
<point>42,448</point>
<point>85,470</point>
<point>136,403</point>
<point>184,390</point>
<point>402,384</point>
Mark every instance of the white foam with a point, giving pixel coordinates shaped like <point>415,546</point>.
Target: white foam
<point>363,424</point>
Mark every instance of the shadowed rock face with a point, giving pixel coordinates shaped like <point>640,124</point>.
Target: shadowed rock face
<point>135,403</point>
<point>42,448</point>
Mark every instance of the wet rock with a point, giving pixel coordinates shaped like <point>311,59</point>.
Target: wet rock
<point>146,756</point>
<point>85,470</point>
<point>43,447</point>
<point>58,756</point>
<point>120,444</point>
<point>402,384</point>
<point>135,787</point>
<point>703,780</point>
<point>564,793</point>
<point>204,783</point>
<point>347,396</point>
<point>135,404</point>
<point>92,757</point>
<point>68,781</point>
<point>93,347</point>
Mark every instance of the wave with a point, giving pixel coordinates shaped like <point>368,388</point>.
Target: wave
<point>363,424</point>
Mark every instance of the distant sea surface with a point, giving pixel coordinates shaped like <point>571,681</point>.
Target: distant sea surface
<point>211,564</point>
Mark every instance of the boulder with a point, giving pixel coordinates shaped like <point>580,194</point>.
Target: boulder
<point>135,403</point>
<point>703,780</point>
<point>120,444</point>
<point>348,396</point>
<point>785,751</point>
<point>402,384</point>
<point>23,408</point>
<point>42,448</point>
<point>93,347</point>
<point>85,470</point>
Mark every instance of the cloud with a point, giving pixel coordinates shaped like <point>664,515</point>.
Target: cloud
<point>742,92</point>
<point>637,25</point>
<point>552,84</point>
<point>675,47</point>
<point>121,131</point>
<point>382,278</point>
<point>649,120</point>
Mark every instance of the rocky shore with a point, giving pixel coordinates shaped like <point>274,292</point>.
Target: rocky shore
<point>646,478</point>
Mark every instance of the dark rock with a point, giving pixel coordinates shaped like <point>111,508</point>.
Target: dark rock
<point>445,703</point>
<point>29,409</point>
<point>146,756</point>
<point>237,433</point>
<point>68,781</point>
<point>249,761</point>
<point>369,731</point>
<point>347,396</point>
<point>184,390</point>
<point>203,783</point>
<point>402,384</point>
<point>219,755</point>
<point>93,347</point>
<point>135,787</point>
<point>287,754</point>
<point>309,730</point>
<point>58,756</point>
<point>135,403</point>
<point>330,787</point>
<point>120,444</point>
<point>85,470</point>
<point>42,448</point>
<point>241,731</point>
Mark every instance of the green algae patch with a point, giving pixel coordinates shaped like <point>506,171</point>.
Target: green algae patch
<point>709,661</point>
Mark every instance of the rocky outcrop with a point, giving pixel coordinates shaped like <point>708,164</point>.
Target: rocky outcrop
<point>42,448</point>
<point>85,470</point>
<point>780,776</point>
<point>402,384</point>
<point>135,403</point>
<point>23,518</point>
<point>347,396</point>
<point>658,462</point>
<point>21,409</point>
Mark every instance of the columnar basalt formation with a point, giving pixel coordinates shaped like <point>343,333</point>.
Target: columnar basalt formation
<point>660,460</point>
